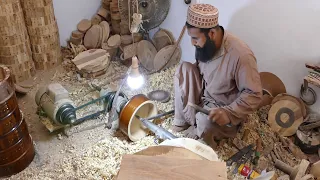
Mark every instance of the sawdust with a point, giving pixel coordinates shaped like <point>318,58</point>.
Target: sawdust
<point>101,160</point>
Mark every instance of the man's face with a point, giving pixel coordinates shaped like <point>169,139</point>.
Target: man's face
<point>205,47</point>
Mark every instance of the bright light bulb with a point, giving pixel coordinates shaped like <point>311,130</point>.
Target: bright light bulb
<point>135,82</point>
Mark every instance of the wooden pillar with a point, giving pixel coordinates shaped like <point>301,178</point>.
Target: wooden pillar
<point>43,32</point>
<point>15,52</point>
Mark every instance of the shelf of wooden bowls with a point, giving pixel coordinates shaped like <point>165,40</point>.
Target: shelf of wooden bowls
<point>131,126</point>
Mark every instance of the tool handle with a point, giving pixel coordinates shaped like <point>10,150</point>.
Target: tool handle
<point>198,108</point>
<point>283,167</point>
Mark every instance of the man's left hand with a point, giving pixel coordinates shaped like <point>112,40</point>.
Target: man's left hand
<point>219,116</point>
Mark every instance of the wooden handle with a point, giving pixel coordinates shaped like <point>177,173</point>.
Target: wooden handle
<point>283,167</point>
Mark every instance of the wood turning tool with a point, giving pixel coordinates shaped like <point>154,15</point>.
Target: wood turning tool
<point>295,173</point>
<point>204,111</point>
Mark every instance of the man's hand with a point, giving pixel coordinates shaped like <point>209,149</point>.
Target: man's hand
<point>219,116</point>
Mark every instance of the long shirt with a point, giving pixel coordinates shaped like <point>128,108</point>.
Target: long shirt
<point>231,79</point>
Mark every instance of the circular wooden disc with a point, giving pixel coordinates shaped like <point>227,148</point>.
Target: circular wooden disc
<point>164,55</point>
<point>77,34</point>
<point>161,40</point>
<point>173,40</point>
<point>114,41</point>
<point>101,37</point>
<point>106,27</point>
<point>285,117</point>
<point>91,39</point>
<point>272,84</point>
<point>103,12</point>
<point>84,25</point>
<point>146,54</point>
<point>285,96</point>
<point>96,19</point>
<point>126,39</point>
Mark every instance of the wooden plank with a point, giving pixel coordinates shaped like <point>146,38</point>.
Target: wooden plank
<point>139,167</point>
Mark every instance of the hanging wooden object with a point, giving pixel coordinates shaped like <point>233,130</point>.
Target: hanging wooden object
<point>41,23</point>
<point>15,49</point>
<point>92,37</point>
<point>84,25</point>
<point>271,84</point>
<point>16,145</point>
<point>161,39</point>
<point>164,55</point>
<point>146,54</point>
<point>285,96</point>
<point>92,63</point>
<point>285,117</point>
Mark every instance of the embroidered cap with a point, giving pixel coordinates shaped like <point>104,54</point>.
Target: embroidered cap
<point>203,15</point>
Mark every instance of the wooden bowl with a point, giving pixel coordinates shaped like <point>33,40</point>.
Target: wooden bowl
<point>131,126</point>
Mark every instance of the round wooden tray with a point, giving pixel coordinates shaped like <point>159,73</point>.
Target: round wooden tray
<point>285,117</point>
<point>161,39</point>
<point>92,37</point>
<point>164,55</point>
<point>146,54</point>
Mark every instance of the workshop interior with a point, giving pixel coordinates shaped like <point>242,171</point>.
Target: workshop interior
<point>98,90</point>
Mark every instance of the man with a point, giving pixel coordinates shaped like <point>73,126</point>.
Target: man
<point>224,80</point>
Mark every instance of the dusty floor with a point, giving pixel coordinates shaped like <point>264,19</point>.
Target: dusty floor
<point>93,152</point>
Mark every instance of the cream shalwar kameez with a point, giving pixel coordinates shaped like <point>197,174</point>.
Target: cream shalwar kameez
<point>230,81</point>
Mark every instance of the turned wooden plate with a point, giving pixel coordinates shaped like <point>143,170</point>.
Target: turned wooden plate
<point>92,37</point>
<point>285,117</point>
<point>146,54</point>
<point>285,96</point>
<point>164,55</point>
<point>106,31</point>
<point>272,84</point>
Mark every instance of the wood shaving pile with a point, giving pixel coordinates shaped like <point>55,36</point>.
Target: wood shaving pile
<point>102,160</point>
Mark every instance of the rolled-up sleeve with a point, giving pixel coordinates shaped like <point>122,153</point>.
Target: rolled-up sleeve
<point>248,81</point>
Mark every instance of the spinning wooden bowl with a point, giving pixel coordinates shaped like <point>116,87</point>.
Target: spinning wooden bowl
<point>131,126</point>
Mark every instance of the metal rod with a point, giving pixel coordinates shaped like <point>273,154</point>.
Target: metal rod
<point>198,108</point>
<point>157,116</point>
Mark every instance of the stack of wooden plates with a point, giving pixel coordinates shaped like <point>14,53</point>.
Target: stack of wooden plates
<point>43,32</point>
<point>15,50</point>
<point>92,63</point>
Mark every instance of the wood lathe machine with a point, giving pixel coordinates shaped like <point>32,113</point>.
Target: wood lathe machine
<point>135,114</point>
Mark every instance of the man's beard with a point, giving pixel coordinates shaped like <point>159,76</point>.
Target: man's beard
<point>207,52</point>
